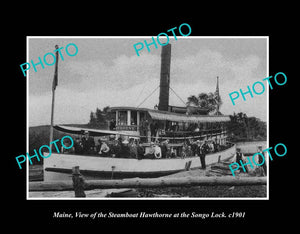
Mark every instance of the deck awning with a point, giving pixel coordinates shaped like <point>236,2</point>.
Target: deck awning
<point>175,117</point>
<point>92,132</point>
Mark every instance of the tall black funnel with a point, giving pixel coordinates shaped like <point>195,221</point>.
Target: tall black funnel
<point>165,78</point>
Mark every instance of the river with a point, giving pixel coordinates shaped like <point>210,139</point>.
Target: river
<point>250,147</point>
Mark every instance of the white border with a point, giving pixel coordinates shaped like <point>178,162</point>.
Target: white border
<point>143,198</point>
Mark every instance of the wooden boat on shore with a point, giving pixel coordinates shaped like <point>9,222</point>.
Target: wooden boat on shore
<point>178,125</point>
<point>59,166</point>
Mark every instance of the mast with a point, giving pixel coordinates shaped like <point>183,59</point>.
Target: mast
<point>54,84</point>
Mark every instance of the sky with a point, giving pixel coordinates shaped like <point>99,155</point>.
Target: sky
<point>106,71</point>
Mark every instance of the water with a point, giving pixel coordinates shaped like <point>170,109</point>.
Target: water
<point>250,147</point>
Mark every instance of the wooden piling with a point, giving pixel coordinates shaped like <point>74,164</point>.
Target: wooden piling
<point>78,182</point>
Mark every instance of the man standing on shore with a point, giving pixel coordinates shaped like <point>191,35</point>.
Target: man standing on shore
<point>201,151</point>
<point>260,160</point>
<point>240,157</point>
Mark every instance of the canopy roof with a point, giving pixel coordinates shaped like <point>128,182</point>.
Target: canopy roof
<point>92,132</point>
<point>175,117</point>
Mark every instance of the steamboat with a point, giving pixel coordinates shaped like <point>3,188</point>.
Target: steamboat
<point>177,127</point>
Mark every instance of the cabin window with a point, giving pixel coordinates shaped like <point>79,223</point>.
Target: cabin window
<point>122,118</point>
<point>133,120</point>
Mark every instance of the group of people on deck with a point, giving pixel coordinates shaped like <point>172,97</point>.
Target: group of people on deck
<point>133,148</point>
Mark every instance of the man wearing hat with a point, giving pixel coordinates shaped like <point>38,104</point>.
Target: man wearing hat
<point>164,148</point>
<point>239,156</point>
<point>125,151</point>
<point>151,151</point>
<point>88,143</point>
<point>193,146</point>
<point>201,153</point>
<point>260,160</point>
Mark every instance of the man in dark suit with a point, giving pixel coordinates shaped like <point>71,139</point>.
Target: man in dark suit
<point>201,151</point>
<point>240,156</point>
<point>164,148</point>
<point>260,160</point>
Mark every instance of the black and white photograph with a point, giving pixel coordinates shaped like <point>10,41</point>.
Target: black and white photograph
<point>148,118</point>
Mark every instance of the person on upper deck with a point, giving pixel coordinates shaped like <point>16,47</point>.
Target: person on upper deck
<point>112,125</point>
<point>144,128</point>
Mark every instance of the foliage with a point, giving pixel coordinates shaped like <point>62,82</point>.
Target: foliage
<point>242,127</point>
<point>100,118</point>
<point>210,101</point>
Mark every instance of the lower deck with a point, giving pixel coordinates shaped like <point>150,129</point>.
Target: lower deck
<point>59,166</point>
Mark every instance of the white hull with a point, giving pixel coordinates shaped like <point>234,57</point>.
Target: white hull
<point>58,166</point>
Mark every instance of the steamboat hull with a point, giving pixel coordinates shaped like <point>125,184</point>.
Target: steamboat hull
<point>59,166</point>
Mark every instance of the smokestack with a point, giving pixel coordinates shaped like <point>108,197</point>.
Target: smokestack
<point>165,78</point>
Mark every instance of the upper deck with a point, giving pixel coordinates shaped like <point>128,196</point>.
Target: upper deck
<point>144,121</point>
<point>133,116</point>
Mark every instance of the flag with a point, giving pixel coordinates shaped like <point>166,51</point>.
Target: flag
<point>55,79</point>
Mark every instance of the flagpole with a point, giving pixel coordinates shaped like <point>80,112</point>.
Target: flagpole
<point>54,84</point>
<point>52,110</point>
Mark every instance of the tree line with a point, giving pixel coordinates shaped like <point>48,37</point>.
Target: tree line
<point>241,127</point>
<point>100,118</point>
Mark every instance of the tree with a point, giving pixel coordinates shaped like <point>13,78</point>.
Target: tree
<point>242,127</point>
<point>92,119</point>
<point>209,101</point>
<point>99,118</point>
